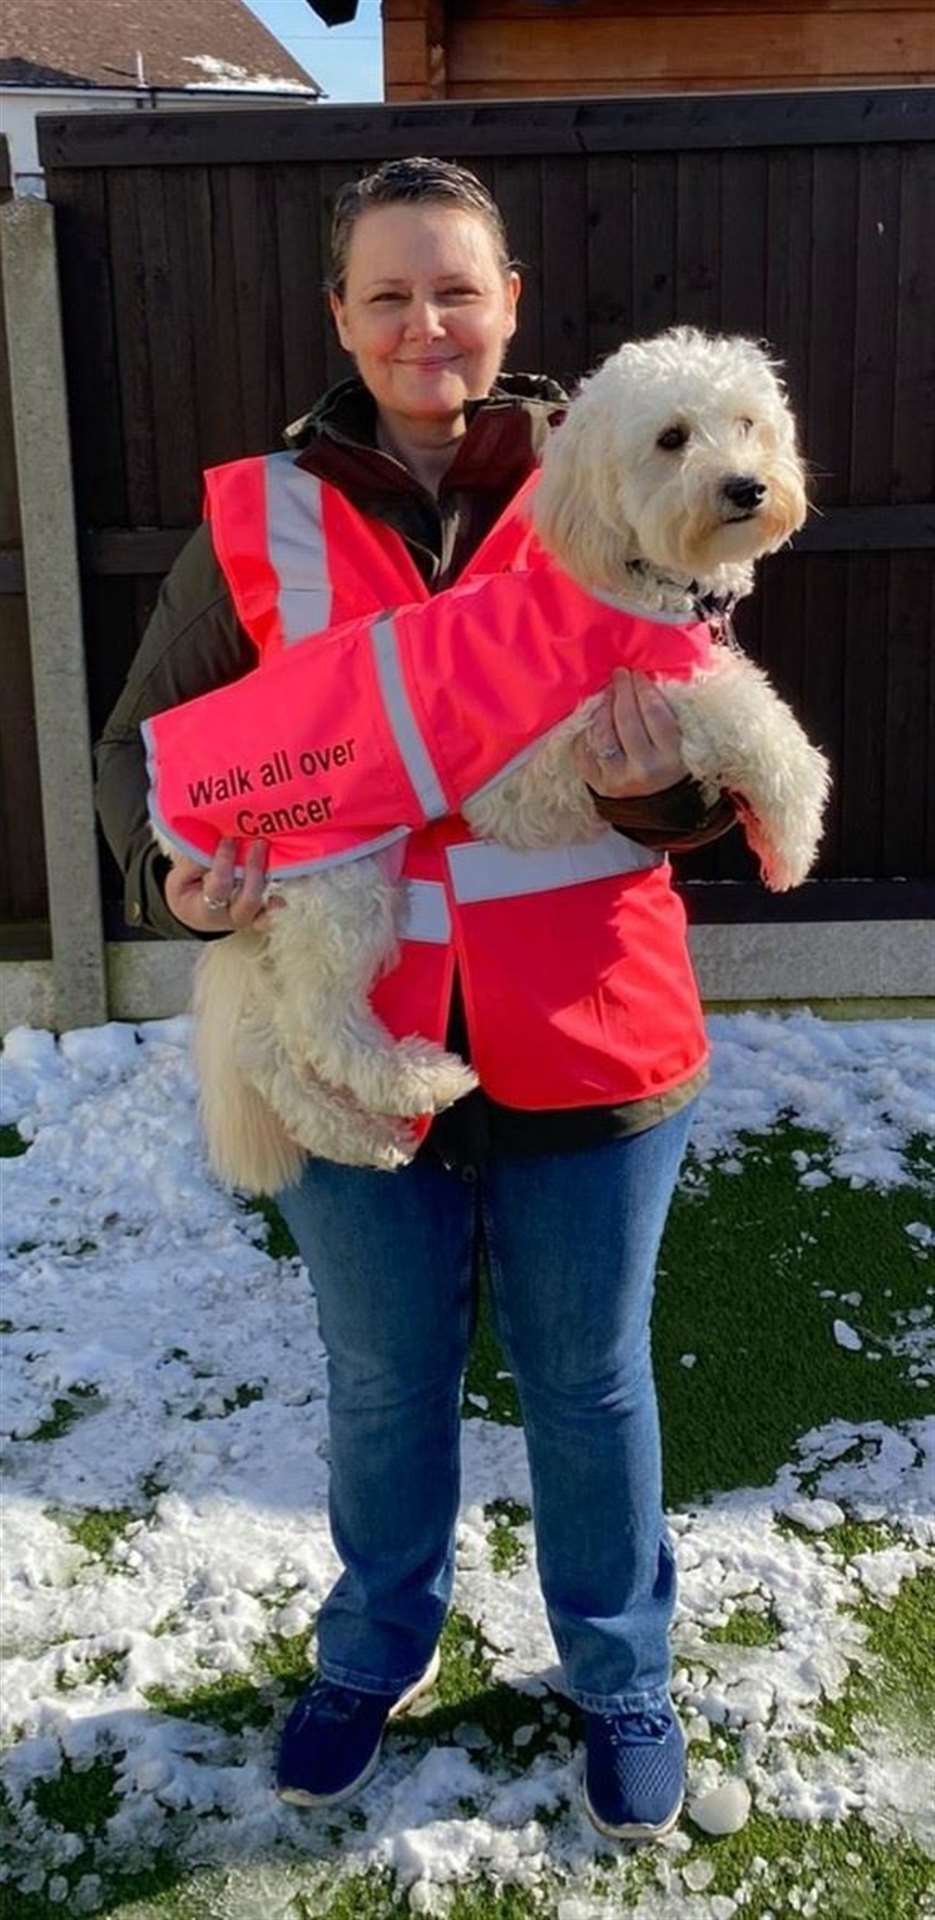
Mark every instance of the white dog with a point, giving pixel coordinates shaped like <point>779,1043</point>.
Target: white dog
<point>675,469</point>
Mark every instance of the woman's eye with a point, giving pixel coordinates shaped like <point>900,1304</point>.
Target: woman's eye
<point>672,439</point>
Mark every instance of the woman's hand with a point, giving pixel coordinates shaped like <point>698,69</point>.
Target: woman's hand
<point>189,888</point>
<point>633,745</point>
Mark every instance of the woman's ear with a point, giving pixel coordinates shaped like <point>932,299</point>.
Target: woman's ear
<point>575,507</point>
<point>514,288</point>
<point>338,316</point>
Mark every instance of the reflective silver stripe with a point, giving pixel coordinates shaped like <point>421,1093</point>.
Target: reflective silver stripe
<point>296,870</point>
<point>481,871</point>
<point>297,547</point>
<point>425,914</point>
<point>412,747</point>
<point>518,760</point>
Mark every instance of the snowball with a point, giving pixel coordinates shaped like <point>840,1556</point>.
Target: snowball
<point>923,1236</point>
<point>698,1874</point>
<point>725,1810</point>
<point>816,1515</point>
<point>846,1337</point>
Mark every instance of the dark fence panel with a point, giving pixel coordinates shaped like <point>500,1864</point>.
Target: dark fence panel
<point>192,255</point>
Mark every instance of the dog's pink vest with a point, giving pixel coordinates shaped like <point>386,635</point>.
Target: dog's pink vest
<point>357,732</point>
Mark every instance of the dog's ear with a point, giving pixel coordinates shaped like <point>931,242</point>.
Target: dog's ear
<point>576,507</point>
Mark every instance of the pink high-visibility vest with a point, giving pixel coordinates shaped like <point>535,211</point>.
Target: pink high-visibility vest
<point>375,713</point>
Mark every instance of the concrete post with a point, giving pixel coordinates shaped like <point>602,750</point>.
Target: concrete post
<point>53,594</point>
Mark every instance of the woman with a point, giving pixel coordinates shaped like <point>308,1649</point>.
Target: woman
<point>430,438</point>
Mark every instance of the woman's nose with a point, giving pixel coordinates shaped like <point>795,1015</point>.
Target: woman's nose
<point>424,320</point>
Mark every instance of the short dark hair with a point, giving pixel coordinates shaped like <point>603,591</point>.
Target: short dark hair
<point>432,182</point>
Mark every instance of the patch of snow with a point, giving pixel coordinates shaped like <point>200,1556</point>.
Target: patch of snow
<point>230,77</point>
<point>869,1085</point>
<point>143,1297</point>
<point>846,1337</point>
<point>816,1515</point>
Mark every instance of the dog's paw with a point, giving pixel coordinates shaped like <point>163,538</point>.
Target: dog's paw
<point>413,1078</point>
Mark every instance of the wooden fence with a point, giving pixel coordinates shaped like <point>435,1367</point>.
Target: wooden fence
<point>192,252</point>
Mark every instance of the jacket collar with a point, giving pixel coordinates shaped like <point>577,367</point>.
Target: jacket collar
<point>505,437</point>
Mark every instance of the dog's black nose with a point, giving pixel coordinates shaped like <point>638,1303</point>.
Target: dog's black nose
<point>744,490</point>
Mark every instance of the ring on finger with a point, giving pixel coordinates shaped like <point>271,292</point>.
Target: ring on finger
<point>214,906</point>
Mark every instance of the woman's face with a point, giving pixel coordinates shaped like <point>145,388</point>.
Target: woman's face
<point>427,310</point>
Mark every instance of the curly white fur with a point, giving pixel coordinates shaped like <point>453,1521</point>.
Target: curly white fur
<point>675,469</point>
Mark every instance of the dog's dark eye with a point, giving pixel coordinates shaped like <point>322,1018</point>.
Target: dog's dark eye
<point>672,439</point>
<point>745,425</point>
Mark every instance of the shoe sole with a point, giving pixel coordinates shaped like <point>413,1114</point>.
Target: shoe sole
<point>300,1797</point>
<point>634,1830</point>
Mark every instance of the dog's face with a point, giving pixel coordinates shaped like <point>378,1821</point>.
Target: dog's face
<point>680,451</point>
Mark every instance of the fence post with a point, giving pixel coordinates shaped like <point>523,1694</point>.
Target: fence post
<point>53,595</point>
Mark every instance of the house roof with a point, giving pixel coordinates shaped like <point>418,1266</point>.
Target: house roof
<point>94,43</point>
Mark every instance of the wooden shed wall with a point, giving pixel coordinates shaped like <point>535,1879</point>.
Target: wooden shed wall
<point>491,49</point>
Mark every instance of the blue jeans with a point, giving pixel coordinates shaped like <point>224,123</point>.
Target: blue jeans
<point>571,1241</point>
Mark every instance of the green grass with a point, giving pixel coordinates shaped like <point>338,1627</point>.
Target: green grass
<point>97,1529</point>
<point>897,1690</point>
<point>887,1882</point>
<point>286,1660</point>
<point>235,1700</point>
<point>903,1635</point>
<point>853,1536</point>
<point>740,1274</point>
<point>739,1287</point>
<point>278,1240</point>
<point>81,1802</point>
<point>861,1878</point>
<point>242,1396</point>
<point>65,1413</point>
<point>466,1691</point>
<point>745,1628</point>
<point>506,1552</point>
<point>886,1885</point>
<point>230,1702</point>
<point>102,1669</point>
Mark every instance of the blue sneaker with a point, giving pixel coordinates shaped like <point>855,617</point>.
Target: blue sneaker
<point>634,1779</point>
<point>331,1741</point>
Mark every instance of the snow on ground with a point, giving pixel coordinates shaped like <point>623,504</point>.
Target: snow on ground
<point>142,1300</point>
<point>868,1084</point>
